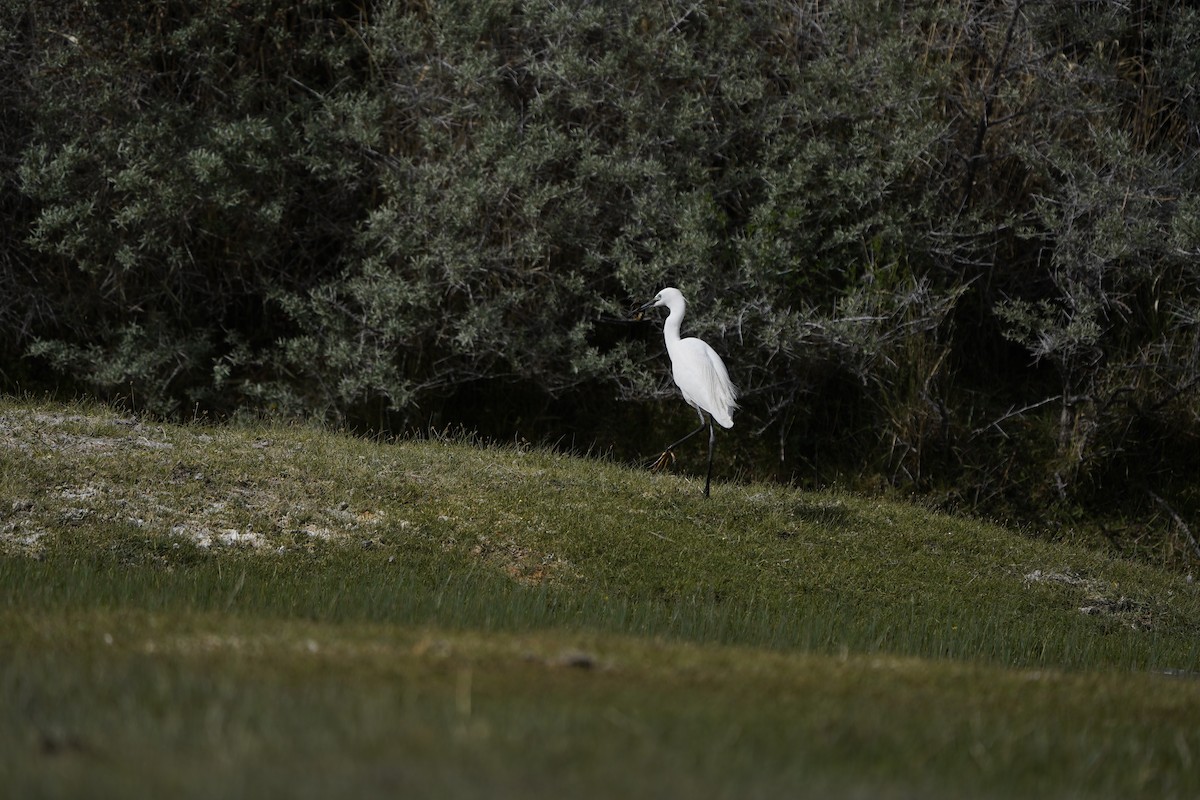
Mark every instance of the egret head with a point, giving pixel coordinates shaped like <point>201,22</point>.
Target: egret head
<point>670,297</point>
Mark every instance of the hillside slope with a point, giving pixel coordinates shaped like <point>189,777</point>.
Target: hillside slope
<point>439,616</point>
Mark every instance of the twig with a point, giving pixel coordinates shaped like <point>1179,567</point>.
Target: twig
<point>985,119</point>
<point>1183,526</point>
<point>1014,413</point>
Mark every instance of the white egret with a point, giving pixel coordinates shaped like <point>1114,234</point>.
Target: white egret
<point>700,375</point>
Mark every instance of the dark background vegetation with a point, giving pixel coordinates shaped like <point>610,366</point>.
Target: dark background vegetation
<point>947,247</point>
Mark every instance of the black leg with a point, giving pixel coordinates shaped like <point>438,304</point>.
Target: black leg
<point>663,457</point>
<point>673,445</point>
<point>712,440</point>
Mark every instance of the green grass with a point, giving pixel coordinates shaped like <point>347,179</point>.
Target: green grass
<point>227,611</point>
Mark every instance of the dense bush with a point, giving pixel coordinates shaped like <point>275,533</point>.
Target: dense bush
<point>951,246</point>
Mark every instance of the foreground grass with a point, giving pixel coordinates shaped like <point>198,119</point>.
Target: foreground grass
<point>237,610</point>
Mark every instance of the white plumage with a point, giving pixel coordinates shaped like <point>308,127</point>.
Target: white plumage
<point>702,379</point>
<point>699,373</point>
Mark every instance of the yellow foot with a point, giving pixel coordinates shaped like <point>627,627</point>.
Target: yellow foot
<point>663,461</point>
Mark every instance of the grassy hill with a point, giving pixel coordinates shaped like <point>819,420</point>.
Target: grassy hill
<point>227,611</point>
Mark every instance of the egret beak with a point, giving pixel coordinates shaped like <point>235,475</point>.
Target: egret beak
<point>640,311</point>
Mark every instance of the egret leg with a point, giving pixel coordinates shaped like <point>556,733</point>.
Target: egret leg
<point>667,455</point>
<point>712,440</point>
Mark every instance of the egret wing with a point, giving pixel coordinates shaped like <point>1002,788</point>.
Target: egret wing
<point>703,380</point>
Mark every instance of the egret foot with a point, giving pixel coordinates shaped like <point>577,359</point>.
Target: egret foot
<point>663,461</point>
